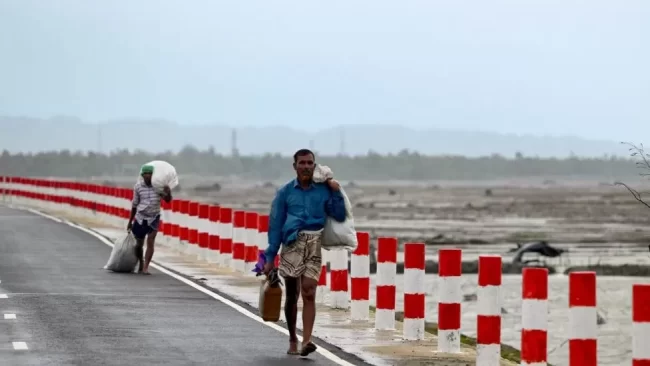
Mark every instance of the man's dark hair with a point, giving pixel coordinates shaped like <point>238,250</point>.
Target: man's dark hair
<point>302,152</point>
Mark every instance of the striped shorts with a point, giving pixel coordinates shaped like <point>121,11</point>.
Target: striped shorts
<point>303,257</point>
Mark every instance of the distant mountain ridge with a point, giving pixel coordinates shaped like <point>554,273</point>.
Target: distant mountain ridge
<point>24,134</point>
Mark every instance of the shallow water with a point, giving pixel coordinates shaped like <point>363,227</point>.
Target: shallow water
<point>614,303</point>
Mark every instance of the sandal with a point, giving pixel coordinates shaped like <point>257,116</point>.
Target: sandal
<point>307,349</point>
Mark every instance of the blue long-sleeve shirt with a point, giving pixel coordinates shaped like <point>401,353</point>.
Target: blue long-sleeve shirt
<point>295,209</point>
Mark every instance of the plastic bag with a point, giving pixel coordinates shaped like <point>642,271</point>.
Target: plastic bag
<point>337,235</point>
<point>123,258</point>
<point>164,174</point>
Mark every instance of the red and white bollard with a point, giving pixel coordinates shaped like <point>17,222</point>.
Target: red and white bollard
<point>414,296</point>
<point>583,319</point>
<point>449,272</point>
<point>238,241</point>
<point>641,325</point>
<point>488,318</point>
<point>262,233</point>
<point>534,316</point>
<point>250,245</point>
<point>175,242</point>
<point>339,297</point>
<point>193,248</point>
<point>360,278</point>
<point>203,227</point>
<point>213,232</point>
<point>184,222</point>
<point>385,283</point>
<point>225,241</point>
<point>322,290</point>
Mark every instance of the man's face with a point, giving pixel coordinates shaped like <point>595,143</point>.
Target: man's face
<point>147,177</point>
<point>304,166</point>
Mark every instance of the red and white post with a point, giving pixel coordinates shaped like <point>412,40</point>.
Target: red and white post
<point>213,231</point>
<point>385,283</point>
<point>238,241</point>
<point>193,232</point>
<point>250,247</point>
<point>322,290</point>
<point>488,318</point>
<point>360,278</point>
<point>449,277</point>
<point>262,233</point>
<point>203,228</point>
<point>583,319</point>
<point>640,325</point>
<point>414,296</point>
<point>339,296</point>
<point>225,233</point>
<point>534,317</point>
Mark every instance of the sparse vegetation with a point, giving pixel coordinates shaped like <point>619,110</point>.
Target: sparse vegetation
<point>406,165</point>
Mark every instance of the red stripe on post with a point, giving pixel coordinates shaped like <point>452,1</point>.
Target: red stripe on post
<point>225,215</point>
<point>386,250</point>
<point>488,329</point>
<point>583,352</point>
<point>414,306</point>
<point>533,345</point>
<point>363,246</point>
<point>360,288</point>
<point>339,280</point>
<point>414,255</point>
<point>238,251</point>
<point>535,283</point>
<point>251,220</point>
<point>239,219</point>
<point>204,211</point>
<point>489,270</point>
<point>204,240</point>
<point>641,303</point>
<point>386,297</point>
<point>582,289</point>
<point>450,262</point>
<point>213,214</point>
<point>449,316</point>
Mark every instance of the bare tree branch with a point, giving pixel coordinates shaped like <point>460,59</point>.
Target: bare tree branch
<point>634,192</point>
<point>643,164</point>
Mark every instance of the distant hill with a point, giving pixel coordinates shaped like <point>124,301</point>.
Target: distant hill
<point>23,134</point>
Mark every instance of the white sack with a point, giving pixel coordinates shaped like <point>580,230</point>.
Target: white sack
<point>164,174</point>
<point>123,258</point>
<point>337,235</point>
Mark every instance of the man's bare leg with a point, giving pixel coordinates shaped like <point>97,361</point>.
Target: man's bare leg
<point>308,309</point>
<point>291,311</point>
<point>139,249</point>
<point>151,240</point>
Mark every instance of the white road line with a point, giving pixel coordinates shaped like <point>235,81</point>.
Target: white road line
<point>10,316</point>
<point>325,353</point>
<point>19,346</point>
<point>3,296</point>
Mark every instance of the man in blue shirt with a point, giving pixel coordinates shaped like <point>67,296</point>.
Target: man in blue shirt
<point>298,214</point>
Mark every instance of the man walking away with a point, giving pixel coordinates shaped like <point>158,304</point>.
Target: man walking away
<point>297,219</point>
<point>145,216</point>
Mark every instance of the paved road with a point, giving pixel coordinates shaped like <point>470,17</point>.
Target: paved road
<point>70,311</point>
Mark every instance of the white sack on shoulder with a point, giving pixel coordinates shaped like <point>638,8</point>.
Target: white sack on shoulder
<point>164,174</point>
<point>337,235</point>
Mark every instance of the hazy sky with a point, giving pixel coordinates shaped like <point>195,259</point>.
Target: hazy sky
<point>553,67</point>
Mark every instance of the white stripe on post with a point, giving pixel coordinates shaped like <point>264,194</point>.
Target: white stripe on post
<point>360,278</point>
<point>385,282</point>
